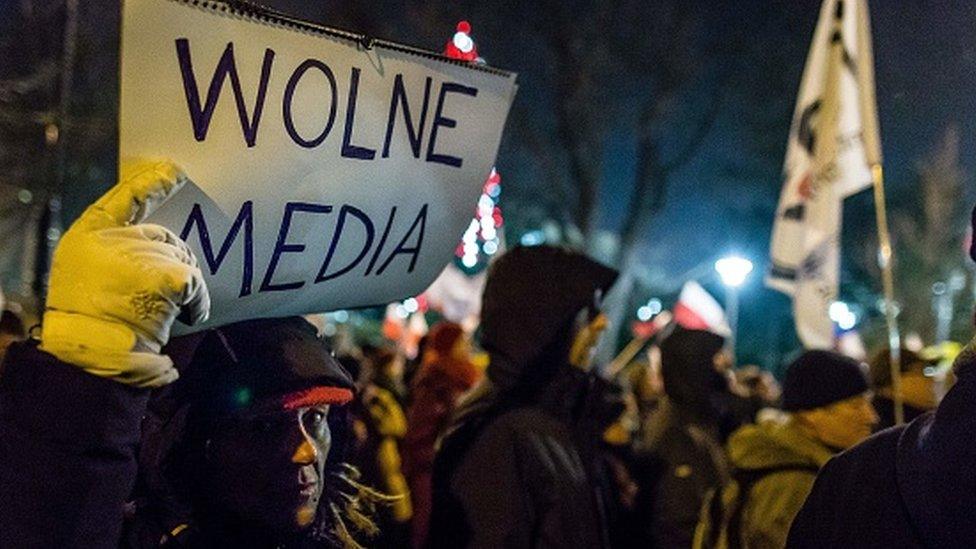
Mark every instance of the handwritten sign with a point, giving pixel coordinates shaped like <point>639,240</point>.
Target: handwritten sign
<point>324,174</point>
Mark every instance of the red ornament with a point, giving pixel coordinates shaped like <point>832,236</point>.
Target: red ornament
<point>461,45</point>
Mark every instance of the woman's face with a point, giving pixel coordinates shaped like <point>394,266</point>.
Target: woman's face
<point>268,466</point>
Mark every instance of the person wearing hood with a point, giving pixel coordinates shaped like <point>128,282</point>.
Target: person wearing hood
<point>680,457</point>
<point>516,466</point>
<point>99,448</point>
<point>446,372</point>
<point>908,486</point>
<point>774,463</point>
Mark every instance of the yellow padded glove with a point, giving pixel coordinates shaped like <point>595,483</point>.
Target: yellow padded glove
<point>117,285</point>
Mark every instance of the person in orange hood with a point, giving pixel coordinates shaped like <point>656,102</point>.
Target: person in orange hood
<point>445,374</point>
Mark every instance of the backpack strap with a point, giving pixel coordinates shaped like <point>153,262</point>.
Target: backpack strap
<point>746,478</point>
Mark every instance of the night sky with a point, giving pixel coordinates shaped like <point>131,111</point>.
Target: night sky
<point>724,199</point>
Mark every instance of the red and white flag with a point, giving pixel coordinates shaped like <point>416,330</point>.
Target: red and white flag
<point>696,309</point>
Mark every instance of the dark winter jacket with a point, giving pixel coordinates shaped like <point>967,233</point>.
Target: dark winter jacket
<point>83,458</point>
<point>909,486</point>
<point>517,475</point>
<point>679,463</point>
<point>67,452</point>
<point>517,467</point>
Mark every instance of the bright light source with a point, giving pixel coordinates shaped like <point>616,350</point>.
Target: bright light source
<point>463,42</point>
<point>341,316</point>
<point>491,247</point>
<point>486,205</point>
<point>487,223</point>
<point>469,260</point>
<point>655,306</point>
<point>532,238</point>
<point>733,270</point>
<point>838,310</point>
<point>840,313</point>
<point>411,305</point>
<point>848,322</point>
<point>644,313</point>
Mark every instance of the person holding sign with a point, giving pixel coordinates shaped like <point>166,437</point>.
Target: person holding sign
<point>244,449</point>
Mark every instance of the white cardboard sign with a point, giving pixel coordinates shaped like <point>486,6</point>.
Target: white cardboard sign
<point>324,174</point>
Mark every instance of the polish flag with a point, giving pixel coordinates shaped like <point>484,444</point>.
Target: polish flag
<point>645,330</point>
<point>697,310</point>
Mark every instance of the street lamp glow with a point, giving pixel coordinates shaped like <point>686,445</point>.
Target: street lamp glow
<point>733,270</point>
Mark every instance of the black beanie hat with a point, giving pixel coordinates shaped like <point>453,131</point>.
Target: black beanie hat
<point>820,378</point>
<point>241,364</point>
<point>531,295</point>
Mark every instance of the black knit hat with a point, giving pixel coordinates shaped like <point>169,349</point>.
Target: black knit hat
<point>821,378</point>
<point>241,364</point>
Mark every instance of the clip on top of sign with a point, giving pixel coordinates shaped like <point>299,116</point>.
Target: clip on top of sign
<point>324,175</point>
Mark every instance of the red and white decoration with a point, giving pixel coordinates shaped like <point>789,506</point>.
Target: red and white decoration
<point>696,309</point>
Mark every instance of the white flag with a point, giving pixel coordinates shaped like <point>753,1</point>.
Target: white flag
<point>833,144</point>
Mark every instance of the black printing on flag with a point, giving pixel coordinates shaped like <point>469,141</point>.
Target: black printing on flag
<point>795,213</point>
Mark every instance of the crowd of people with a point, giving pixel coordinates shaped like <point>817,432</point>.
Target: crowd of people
<point>257,434</point>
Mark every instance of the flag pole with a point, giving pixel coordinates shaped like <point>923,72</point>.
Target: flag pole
<point>871,136</point>
<point>888,285</point>
<point>619,363</point>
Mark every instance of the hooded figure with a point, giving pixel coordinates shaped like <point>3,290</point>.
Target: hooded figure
<point>692,380</point>
<point>680,457</point>
<point>516,467</point>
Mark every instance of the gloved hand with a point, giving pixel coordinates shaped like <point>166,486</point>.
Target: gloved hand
<point>116,286</point>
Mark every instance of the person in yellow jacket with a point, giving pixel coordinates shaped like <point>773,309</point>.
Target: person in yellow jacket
<point>380,425</point>
<point>775,463</point>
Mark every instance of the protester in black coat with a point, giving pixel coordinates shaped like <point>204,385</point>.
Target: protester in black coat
<point>517,468</point>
